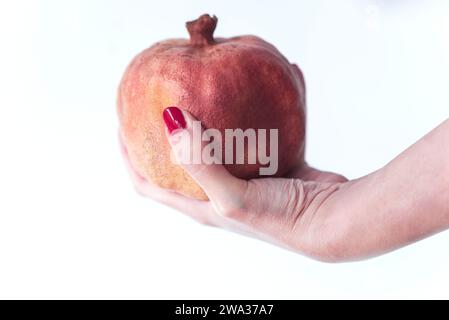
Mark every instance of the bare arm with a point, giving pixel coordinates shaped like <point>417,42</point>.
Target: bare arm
<point>403,202</point>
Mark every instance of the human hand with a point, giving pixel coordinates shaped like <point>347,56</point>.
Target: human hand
<point>308,211</point>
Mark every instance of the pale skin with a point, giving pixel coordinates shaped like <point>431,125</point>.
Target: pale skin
<point>322,214</point>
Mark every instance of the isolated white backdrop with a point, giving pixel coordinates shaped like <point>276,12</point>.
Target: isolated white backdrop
<point>71,225</point>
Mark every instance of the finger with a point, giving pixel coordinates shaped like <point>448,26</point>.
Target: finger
<point>201,211</point>
<point>135,177</point>
<point>306,173</point>
<point>182,132</point>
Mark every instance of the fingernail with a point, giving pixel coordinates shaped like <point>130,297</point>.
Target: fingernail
<point>173,119</point>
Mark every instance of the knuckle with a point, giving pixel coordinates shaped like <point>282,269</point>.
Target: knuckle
<point>233,211</point>
<point>232,203</point>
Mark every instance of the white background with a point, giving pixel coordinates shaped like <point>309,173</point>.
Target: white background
<point>71,225</point>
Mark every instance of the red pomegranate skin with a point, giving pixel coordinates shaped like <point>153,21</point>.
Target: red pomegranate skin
<point>227,83</point>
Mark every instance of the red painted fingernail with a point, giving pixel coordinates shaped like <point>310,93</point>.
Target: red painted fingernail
<point>173,119</point>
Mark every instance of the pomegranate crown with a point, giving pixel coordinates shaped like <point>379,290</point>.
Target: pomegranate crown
<point>202,30</point>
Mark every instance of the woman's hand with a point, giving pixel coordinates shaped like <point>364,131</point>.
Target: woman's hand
<point>320,214</point>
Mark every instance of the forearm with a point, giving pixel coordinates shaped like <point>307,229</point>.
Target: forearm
<point>406,200</point>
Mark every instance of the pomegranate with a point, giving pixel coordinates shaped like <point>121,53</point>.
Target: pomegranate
<point>227,83</point>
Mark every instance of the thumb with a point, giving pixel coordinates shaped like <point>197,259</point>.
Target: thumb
<point>184,133</point>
